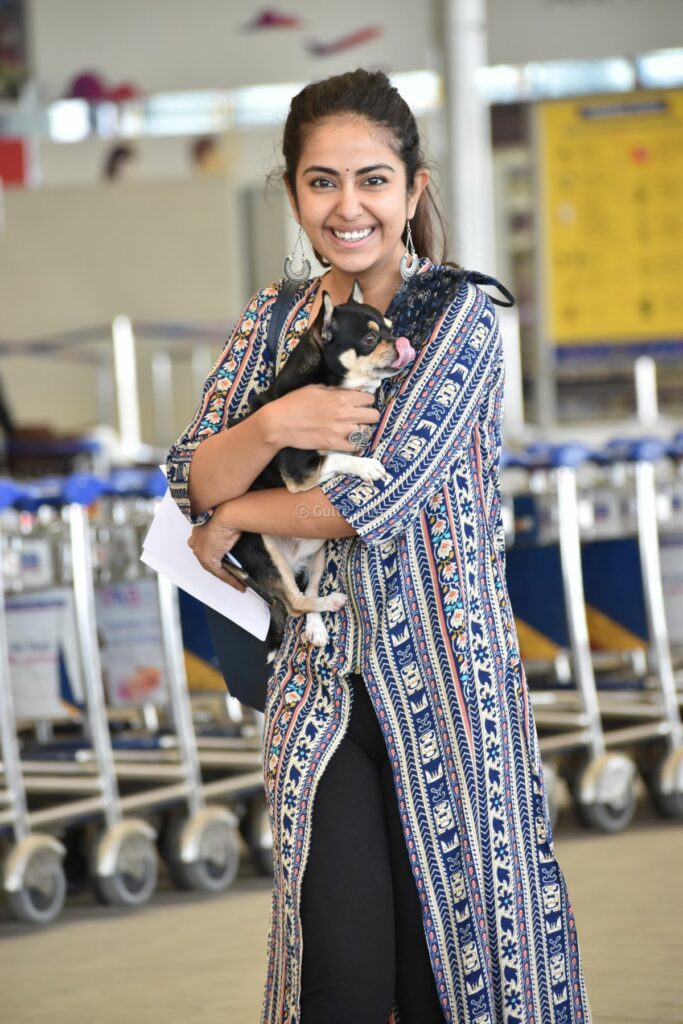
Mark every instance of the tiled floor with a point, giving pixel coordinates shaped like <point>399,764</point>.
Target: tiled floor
<point>192,960</point>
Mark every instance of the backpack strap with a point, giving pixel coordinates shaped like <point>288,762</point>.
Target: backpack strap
<point>475,277</point>
<point>279,315</point>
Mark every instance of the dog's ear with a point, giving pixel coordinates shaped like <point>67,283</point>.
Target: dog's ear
<point>322,326</point>
<point>328,310</point>
<point>356,292</point>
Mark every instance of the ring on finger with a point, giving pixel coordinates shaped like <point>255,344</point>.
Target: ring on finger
<point>360,437</point>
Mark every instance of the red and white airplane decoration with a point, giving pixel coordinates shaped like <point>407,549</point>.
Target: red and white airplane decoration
<point>347,42</point>
<point>274,19</point>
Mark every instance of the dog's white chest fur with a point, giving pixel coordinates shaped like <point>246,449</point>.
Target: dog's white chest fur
<point>298,551</point>
<point>291,555</point>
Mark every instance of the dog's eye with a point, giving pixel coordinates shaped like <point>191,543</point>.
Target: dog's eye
<point>370,339</point>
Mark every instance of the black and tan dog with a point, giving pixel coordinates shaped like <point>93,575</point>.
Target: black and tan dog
<point>348,346</point>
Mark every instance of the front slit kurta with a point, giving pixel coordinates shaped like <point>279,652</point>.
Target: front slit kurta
<point>428,624</point>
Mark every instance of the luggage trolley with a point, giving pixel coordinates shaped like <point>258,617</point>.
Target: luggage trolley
<point>671,545</point>
<point>621,560</point>
<point>199,843</point>
<point>546,590</point>
<point>32,873</point>
<point>61,790</point>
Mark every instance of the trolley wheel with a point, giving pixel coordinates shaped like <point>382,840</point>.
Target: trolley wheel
<point>669,805</point>
<point>134,877</point>
<point>42,892</point>
<point>664,780</point>
<point>256,831</point>
<point>215,867</point>
<point>604,793</point>
<point>608,817</point>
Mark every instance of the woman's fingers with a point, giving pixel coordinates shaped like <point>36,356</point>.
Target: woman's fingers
<point>360,405</point>
<point>227,577</point>
<point>217,568</point>
<point>320,417</point>
<point>360,419</point>
<point>209,544</point>
<point>356,416</point>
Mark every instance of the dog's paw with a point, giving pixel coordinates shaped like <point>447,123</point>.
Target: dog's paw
<point>332,602</point>
<point>315,631</point>
<point>371,470</point>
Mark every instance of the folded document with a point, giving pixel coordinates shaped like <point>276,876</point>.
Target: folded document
<point>166,550</point>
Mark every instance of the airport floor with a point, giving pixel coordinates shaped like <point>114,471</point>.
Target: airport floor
<point>187,959</point>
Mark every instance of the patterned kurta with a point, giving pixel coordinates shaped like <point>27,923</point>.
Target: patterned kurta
<point>429,625</point>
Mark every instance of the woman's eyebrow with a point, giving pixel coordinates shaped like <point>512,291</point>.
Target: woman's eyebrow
<point>363,170</point>
<point>375,167</point>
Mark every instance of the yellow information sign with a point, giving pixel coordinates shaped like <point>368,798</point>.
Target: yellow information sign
<point>612,176</point>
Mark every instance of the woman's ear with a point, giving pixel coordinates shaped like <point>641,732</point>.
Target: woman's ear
<point>420,182</point>
<point>292,199</point>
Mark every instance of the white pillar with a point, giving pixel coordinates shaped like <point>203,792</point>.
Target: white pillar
<point>470,175</point>
<point>470,184</point>
<point>647,405</point>
<point>126,378</point>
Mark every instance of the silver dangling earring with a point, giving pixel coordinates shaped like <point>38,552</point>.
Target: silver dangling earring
<point>409,269</point>
<point>304,271</point>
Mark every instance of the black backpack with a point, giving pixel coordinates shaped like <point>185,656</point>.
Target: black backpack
<point>242,656</point>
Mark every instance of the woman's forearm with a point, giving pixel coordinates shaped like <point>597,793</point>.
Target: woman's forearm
<point>283,514</point>
<point>226,464</point>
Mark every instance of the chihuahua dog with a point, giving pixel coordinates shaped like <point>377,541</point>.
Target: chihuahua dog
<point>348,346</point>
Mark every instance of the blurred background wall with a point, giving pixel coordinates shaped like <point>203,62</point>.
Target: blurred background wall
<point>556,127</point>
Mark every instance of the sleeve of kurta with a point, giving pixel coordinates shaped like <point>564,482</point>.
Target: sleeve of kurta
<point>240,368</point>
<point>427,425</point>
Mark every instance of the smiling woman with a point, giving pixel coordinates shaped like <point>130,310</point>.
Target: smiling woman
<point>415,874</point>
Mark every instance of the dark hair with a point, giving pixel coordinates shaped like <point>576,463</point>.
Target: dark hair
<point>367,94</point>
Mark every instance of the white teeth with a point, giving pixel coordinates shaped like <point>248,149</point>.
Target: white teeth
<point>351,236</point>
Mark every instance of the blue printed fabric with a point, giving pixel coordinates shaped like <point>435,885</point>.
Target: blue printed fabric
<point>429,625</point>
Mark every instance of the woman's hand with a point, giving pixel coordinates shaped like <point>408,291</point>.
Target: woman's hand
<point>316,417</point>
<point>210,542</point>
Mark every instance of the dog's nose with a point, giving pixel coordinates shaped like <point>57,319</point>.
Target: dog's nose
<point>406,353</point>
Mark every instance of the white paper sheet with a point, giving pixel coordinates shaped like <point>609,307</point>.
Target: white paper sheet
<point>166,550</point>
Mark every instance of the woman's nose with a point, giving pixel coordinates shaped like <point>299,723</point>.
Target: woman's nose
<point>348,202</point>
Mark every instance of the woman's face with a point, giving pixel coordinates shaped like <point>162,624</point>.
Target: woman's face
<point>351,196</point>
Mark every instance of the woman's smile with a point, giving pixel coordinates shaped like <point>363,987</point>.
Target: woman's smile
<point>352,238</point>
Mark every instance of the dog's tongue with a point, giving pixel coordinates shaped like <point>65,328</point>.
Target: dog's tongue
<point>406,353</point>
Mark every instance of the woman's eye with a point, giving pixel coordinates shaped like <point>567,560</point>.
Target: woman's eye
<point>322,183</point>
<point>376,179</point>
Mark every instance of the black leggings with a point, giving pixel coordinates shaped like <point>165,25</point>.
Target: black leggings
<point>364,945</point>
